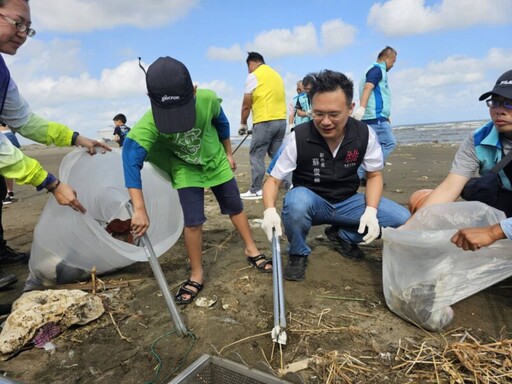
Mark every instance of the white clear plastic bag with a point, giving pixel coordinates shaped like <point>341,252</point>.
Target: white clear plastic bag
<point>424,272</point>
<point>67,244</point>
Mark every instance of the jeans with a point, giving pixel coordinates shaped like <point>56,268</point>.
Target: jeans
<point>266,138</point>
<point>386,139</point>
<point>303,209</point>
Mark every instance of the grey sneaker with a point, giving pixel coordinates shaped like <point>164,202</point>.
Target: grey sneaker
<point>252,195</point>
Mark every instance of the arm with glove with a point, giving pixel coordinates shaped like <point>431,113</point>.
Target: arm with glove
<point>359,112</point>
<point>271,219</point>
<point>369,221</point>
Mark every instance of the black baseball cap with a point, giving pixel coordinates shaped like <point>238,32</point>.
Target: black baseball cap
<point>503,87</point>
<point>171,92</point>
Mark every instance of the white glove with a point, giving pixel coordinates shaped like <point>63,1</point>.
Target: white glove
<point>358,113</point>
<point>369,220</point>
<point>309,113</point>
<point>271,220</point>
<point>242,131</point>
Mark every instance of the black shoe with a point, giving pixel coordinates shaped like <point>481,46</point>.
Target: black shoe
<point>296,268</point>
<point>10,256</point>
<point>5,309</point>
<point>6,279</point>
<point>348,250</point>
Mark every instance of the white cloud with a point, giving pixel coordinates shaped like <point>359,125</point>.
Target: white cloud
<point>451,85</point>
<point>286,42</point>
<point>406,17</point>
<point>87,15</point>
<point>297,41</point>
<point>233,53</point>
<point>337,35</point>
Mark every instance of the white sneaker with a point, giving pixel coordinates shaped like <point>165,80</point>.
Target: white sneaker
<point>252,195</point>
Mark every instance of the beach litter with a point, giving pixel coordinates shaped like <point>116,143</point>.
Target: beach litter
<point>45,314</point>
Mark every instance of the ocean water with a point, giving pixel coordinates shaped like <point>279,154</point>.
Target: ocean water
<point>447,133</point>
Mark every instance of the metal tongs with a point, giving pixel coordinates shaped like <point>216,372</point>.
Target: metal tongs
<point>279,330</point>
<point>181,329</point>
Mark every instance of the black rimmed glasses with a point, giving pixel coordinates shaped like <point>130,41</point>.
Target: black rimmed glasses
<point>493,103</point>
<point>20,27</point>
<point>333,116</point>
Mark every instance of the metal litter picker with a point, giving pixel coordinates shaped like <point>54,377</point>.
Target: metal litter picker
<point>279,330</point>
<point>181,329</point>
<point>241,142</point>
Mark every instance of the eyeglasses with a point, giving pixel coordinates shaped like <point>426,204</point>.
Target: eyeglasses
<point>20,27</point>
<point>493,103</point>
<point>333,116</point>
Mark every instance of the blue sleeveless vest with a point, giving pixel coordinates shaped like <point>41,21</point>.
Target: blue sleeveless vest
<point>5,77</point>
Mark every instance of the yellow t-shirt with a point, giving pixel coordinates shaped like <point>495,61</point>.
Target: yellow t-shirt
<point>268,99</point>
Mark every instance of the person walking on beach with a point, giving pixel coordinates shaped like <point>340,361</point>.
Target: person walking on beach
<point>15,27</point>
<point>323,156</point>
<point>375,103</point>
<point>121,129</point>
<point>264,95</point>
<point>293,119</point>
<point>481,151</point>
<point>186,134</point>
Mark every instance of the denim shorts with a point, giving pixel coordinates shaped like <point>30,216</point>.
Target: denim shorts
<point>192,202</point>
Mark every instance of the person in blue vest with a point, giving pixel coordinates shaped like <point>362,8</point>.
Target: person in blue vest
<point>303,105</point>
<point>292,119</point>
<point>15,27</point>
<point>121,129</point>
<point>323,156</point>
<point>375,103</point>
<point>481,150</point>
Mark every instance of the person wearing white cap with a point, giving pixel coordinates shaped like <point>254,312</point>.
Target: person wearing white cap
<point>481,151</point>
<point>186,134</point>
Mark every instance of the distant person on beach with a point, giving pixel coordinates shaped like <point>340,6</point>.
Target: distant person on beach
<point>15,27</point>
<point>480,152</point>
<point>293,118</point>
<point>375,103</point>
<point>186,134</point>
<point>9,197</point>
<point>323,156</point>
<point>121,129</point>
<point>263,95</point>
<point>303,105</point>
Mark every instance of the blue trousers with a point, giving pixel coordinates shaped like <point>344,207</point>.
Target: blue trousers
<point>386,139</point>
<point>303,209</point>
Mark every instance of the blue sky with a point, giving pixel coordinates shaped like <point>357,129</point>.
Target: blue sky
<point>82,66</point>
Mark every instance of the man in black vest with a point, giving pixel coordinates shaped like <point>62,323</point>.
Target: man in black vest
<point>323,156</point>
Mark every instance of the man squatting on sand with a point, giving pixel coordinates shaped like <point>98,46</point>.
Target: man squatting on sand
<point>323,156</point>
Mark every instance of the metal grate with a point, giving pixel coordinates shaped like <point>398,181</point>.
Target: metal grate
<point>215,370</point>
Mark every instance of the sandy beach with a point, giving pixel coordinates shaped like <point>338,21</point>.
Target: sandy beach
<point>361,327</point>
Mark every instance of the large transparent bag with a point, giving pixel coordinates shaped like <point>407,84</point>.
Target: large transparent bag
<point>67,244</point>
<point>424,272</point>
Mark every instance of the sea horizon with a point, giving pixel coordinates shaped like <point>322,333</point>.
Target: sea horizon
<point>447,132</point>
